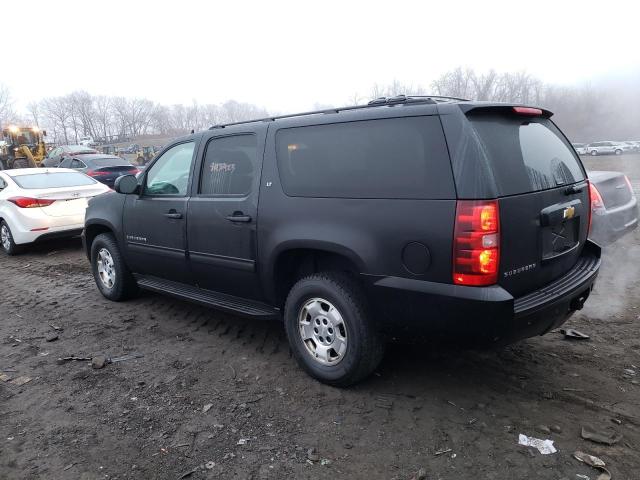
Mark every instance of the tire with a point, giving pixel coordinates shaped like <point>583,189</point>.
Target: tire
<point>23,163</point>
<point>352,347</point>
<point>112,276</point>
<point>6,240</point>
<point>594,153</point>
<point>618,152</point>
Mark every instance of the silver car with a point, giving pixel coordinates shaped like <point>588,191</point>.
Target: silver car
<point>605,148</point>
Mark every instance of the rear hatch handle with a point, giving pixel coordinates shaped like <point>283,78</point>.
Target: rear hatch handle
<point>575,188</point>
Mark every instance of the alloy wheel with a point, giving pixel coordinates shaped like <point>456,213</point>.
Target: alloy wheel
<point>5,237</point>
<point>323,331</point>
<point>106,268</point>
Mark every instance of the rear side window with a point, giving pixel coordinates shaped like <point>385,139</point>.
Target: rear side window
<point>525,154</point>
<point>53,180</point>
<point>229,166</point>
<point>387,158</point>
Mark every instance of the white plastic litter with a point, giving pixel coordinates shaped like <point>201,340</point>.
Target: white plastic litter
<point>545,447</point>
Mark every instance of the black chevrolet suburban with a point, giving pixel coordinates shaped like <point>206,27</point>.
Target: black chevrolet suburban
<point>351,224</point>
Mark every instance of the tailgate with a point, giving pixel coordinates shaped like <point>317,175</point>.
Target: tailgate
<point>542,193</point>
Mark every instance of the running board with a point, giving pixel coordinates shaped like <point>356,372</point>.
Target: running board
<point>208,298</point>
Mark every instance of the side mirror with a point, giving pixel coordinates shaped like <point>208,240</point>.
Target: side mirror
<point>126,184</point>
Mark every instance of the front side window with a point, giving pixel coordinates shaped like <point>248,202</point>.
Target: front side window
<point>170,174</point>
<point>229,166</point>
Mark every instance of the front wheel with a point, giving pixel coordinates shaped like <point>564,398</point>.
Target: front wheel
<point>112,276</point>
<point>618,152</point>
<point>330,331</point>
<point>594,153</point>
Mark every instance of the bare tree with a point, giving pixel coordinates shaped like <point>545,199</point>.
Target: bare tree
<point>7,113</point>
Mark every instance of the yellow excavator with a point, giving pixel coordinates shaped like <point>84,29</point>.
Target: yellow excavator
<point>22,147</point>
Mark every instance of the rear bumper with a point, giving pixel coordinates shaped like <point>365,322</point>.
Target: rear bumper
<point>485,313</point>
<point>614,223</point>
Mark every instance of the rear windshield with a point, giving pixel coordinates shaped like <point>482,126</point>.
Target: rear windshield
<point>53,180</point>
<point>110,162</point>
<point>526,154</point>
<point>385,158</point>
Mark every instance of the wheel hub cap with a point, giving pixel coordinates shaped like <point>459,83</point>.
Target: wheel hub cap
<point>106,269</point>
<point>323,331</point>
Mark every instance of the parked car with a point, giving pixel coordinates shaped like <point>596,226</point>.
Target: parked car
<point>87,142</point>
<point>55,156</point>
<point>104,168</point>
<point>38,204</point>
<point>455,216</point>
<point>605,148</point>
<point>632,146</point>
<point>580,148</point>
<point>614,206</point>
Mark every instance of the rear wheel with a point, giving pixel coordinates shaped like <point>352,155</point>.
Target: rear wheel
<point>618,152</point>
<point>113,278</point>
<point>594,153</point>
<point>6,240</point>
<point>330,331</point>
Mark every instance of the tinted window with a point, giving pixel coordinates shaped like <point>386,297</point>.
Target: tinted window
<point>53,180</point>
<point>77,164</point>
<point>388,158</point>
<point>170,174</point>
<point>526,155</point>
<point>229,165</point>
<point>109,162</point>
<point>65,163</point>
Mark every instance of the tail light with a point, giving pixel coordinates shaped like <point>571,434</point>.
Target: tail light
<point>476,242</point>
<point>133,171</point>
<point>96,173</point>
<point>27,202</point>
<point>595,201</point>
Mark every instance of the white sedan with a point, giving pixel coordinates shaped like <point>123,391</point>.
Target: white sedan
<point>42,203</point>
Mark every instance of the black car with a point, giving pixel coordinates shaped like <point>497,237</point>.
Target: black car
<point>55,156</point>
<point>351,224</point>
<point>103,168</point>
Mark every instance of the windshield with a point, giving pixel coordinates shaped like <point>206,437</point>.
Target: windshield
<point>53,180</point>
<point>26,136</point>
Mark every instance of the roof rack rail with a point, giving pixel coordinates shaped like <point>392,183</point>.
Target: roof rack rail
<point>378,102</point>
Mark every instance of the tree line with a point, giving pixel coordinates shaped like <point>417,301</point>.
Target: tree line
<point>586,113</point>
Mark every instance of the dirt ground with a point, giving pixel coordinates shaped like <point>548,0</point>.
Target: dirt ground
<point>217,396</point>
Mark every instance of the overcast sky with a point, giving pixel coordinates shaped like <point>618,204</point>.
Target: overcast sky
<point>289,55</point>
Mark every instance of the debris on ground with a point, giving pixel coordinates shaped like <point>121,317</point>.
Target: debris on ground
<point>572,334</point>
<point>594,462</point>
<point>312,455</point>
<point>441,452</point>
<point>545,447</point>
<point>52,337</point>
<point>207,407</point>
<point>420,475</point>
<point>243,441</point>
<point>123,358</point>
<point>99,361</point>
<point>325,461</point>
<point>209,465</point>
<point>56,328</point>
<point>189,473</point>
<point>21,380</point>
<point>62,360</point>
<point>606,436</point>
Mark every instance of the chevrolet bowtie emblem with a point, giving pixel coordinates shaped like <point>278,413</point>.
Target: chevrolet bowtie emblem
<point>568,212</point>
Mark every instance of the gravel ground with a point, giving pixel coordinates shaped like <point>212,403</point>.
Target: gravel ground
<point>217,396</point>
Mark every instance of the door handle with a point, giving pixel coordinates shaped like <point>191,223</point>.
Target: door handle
<point>173,214</point>
<point>239,217</point>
